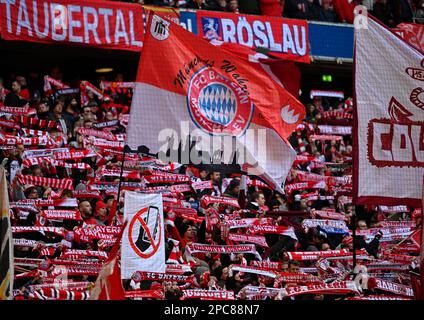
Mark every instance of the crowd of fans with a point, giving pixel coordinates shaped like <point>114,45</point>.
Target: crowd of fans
<point>390,12</point>
<point>62,146</point>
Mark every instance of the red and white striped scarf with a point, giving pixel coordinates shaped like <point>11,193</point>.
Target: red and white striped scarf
<point>398,258</point>
<point>202,185</point>
<point>342,287</point>
<point>386,265</point>
<point>61,214</point>
<point>322,137</point>
<point>315,255</point>
<point>33,132</point>
<point>175,256</point>
<point>247,222</point>
<point>257,183</point>
<point>24,243</point>
<point>73,154</point>
<point>42,153</point>
<point>157,276</point>
<point>208,294</point>
<point>57,83</point>
<point>271,229</point>
<point>76,254</point>
<point>302,159</point>
<point>301,278</point>
<point>46,182</point>
<point>103,244</point>
<point>110,84</point>
<point>65,202</point>
<point>150,294</point>
<point>75,271</point>
<point>102,143</point>
<point>184,213</point>
<point>389,234</point>
<point>37,123</point>
<point>88,234</point>
<point>378,297</point>
<point>327,214</point>
<point>388,286</point>
<point>301,144</point>
<point>57,163</point>
<point>178,268</point>
<point>206,200</point>
<point>255,270</point>
<point>102,185</point>
<point>258,293</point>
<point>307,176</point>
<point>305,185</point>
<point>397,224</point>
<point>76,262</point>
<point>86,86</point>
<point>161,177</point>
<point>18,111</point>
<point>54,230</point>
<point>313,223</point>
<point>393,209</point>
<point>36,141</point>
<point>204,248</point>
<point>106,124</point>
<point>96,133</point>
<point>342,130</point>
<point>115,172</point>
<point>256,239</point>
<point>86,194</point>
<point>273,265</point>
<point>180,188</point>
<point>58,294</point>
<point>337,114</point>
<point>63,285</point>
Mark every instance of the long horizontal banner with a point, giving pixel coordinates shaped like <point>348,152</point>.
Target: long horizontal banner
<point>285,38</point>
<point>120,26</point>
<point>105,24</point>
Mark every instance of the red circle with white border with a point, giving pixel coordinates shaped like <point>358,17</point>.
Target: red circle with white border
<point>138,217</point>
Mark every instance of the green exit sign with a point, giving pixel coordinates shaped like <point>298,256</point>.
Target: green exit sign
<point>327,78</point>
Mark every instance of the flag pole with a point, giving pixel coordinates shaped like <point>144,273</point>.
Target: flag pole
<point>353,221</point>
<point>124,152</point>
<point>421,295</point>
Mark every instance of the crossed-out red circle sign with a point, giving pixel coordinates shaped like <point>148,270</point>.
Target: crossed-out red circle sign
<point>133,229</point>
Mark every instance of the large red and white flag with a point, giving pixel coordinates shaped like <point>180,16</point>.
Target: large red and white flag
<point>143,242</point>
<point>187,87</point>
<point>388,126</point>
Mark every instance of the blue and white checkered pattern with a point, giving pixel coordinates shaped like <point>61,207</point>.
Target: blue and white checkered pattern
<point>218,103</point>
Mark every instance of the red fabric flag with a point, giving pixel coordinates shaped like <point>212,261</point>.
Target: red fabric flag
<point>287,72</point>
<point>182,79</point>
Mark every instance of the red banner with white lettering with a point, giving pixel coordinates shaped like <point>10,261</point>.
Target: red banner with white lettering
<point>105,24</point>
<point>285,38</point>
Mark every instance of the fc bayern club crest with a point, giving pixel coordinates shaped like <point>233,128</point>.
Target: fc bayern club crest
<point>217,105</point>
